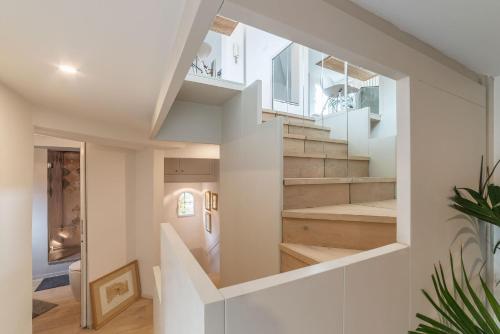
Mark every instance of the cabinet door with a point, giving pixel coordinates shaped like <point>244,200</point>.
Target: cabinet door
<point>196,166</point>
<point>172,166</point>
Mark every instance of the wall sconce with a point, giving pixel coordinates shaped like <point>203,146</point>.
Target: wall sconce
<point>236,52</point>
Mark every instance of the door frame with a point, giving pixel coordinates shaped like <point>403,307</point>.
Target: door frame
<point>84,294</point>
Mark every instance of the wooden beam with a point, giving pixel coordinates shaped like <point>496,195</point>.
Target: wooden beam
<point>223,25</point>
<point>337,65</point>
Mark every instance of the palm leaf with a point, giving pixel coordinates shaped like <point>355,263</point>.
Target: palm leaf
<point>472,318</point>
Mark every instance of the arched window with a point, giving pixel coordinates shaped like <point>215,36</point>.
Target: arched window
<point>185,204</point>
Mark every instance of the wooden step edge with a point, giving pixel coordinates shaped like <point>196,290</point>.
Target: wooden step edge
<point>305,155</point>
<point>286,114</point>
<point>311,138</point>
<point>315,254</point>
<point>326,156</point>
<point>306,125</point>
<point>336,180</point>
<point>349,217</point>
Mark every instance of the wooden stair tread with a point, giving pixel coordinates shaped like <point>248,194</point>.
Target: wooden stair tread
<point>306,125</point>
<point>370,212</point>
<point>326,156</point>
<point>316,254</point>
<point>336,180</point>
<point>286,114</point>
<point>312,138</point>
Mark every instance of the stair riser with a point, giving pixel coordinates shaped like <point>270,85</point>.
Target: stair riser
<point>343,168</point>
<point>338,234</point>
<point>299,130</point>
<point>314,195</point>
<point>293,146</point>
<point>372,192</point>
<point>297,120</point>
<point>320,167</point>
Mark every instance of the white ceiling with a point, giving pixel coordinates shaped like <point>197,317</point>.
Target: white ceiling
<point>120,47</point>
<point>464,30</point>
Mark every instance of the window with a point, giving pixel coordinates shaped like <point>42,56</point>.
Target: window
<point>185,205</point>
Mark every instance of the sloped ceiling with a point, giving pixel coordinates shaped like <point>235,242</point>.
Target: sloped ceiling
<point>464,30</point>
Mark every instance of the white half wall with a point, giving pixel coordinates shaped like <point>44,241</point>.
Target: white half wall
<point>16,187</point>
<point>190,302</point>
<point>250,189</point>
<point>364,293</point>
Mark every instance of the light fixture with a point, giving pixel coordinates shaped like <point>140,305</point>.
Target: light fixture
<point>68,69</point>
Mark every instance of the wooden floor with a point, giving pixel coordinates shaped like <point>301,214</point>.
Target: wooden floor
<point>65,318</point>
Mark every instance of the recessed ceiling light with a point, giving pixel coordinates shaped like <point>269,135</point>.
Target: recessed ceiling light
<point>68,69</point>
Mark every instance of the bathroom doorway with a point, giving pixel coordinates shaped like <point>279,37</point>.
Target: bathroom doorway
<point>59,232</point>
<point>63,206</point>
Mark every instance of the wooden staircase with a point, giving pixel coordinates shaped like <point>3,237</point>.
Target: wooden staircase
<point>331,206</point>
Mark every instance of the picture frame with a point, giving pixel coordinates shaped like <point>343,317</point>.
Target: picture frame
<point>208,200</point>
<point>207,221</point>
<point>215,201</point>
<point>111,294</point>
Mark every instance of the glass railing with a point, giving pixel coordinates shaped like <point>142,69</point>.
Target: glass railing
<point>314,84</point>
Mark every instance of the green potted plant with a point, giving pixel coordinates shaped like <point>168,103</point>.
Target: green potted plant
<point>461,310</point>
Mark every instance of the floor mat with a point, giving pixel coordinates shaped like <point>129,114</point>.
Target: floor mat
<point>53,282</point>
<point>40,307</point>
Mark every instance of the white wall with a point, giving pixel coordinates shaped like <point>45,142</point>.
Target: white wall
<point>192,122</point>
<point>250,190</point>
<point>363,293</point>
<point>190,302</point>
<point>41,267</point>
<point>494,153</point>
<point>446,131</point>
<point>16,186</point>
<point>107,189</point>
<point>233,70</point>
<point>148,214</point>
<point>261,47</point>
<point>124,208</point>
<point>387,126</point>
<point>203,245</point>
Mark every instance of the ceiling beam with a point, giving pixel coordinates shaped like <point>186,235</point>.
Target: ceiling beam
<point>196,19</point>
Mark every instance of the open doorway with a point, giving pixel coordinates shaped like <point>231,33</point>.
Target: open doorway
<point>58,234</point>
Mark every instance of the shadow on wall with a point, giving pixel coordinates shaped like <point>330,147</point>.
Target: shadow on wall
<point>471,234</point>
<point>204,245</point>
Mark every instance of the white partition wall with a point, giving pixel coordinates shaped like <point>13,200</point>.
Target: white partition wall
<point>250,189</point>
<point>366,292</point>
<point>363,293</point>
<point>190,303</point>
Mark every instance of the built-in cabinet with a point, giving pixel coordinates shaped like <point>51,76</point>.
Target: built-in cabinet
<point>190,170</point>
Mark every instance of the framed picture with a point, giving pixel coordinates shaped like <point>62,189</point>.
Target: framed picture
<point>215,201</point>
<point>207,220</point>
<point>113,293</point>
<point>208,200</point>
